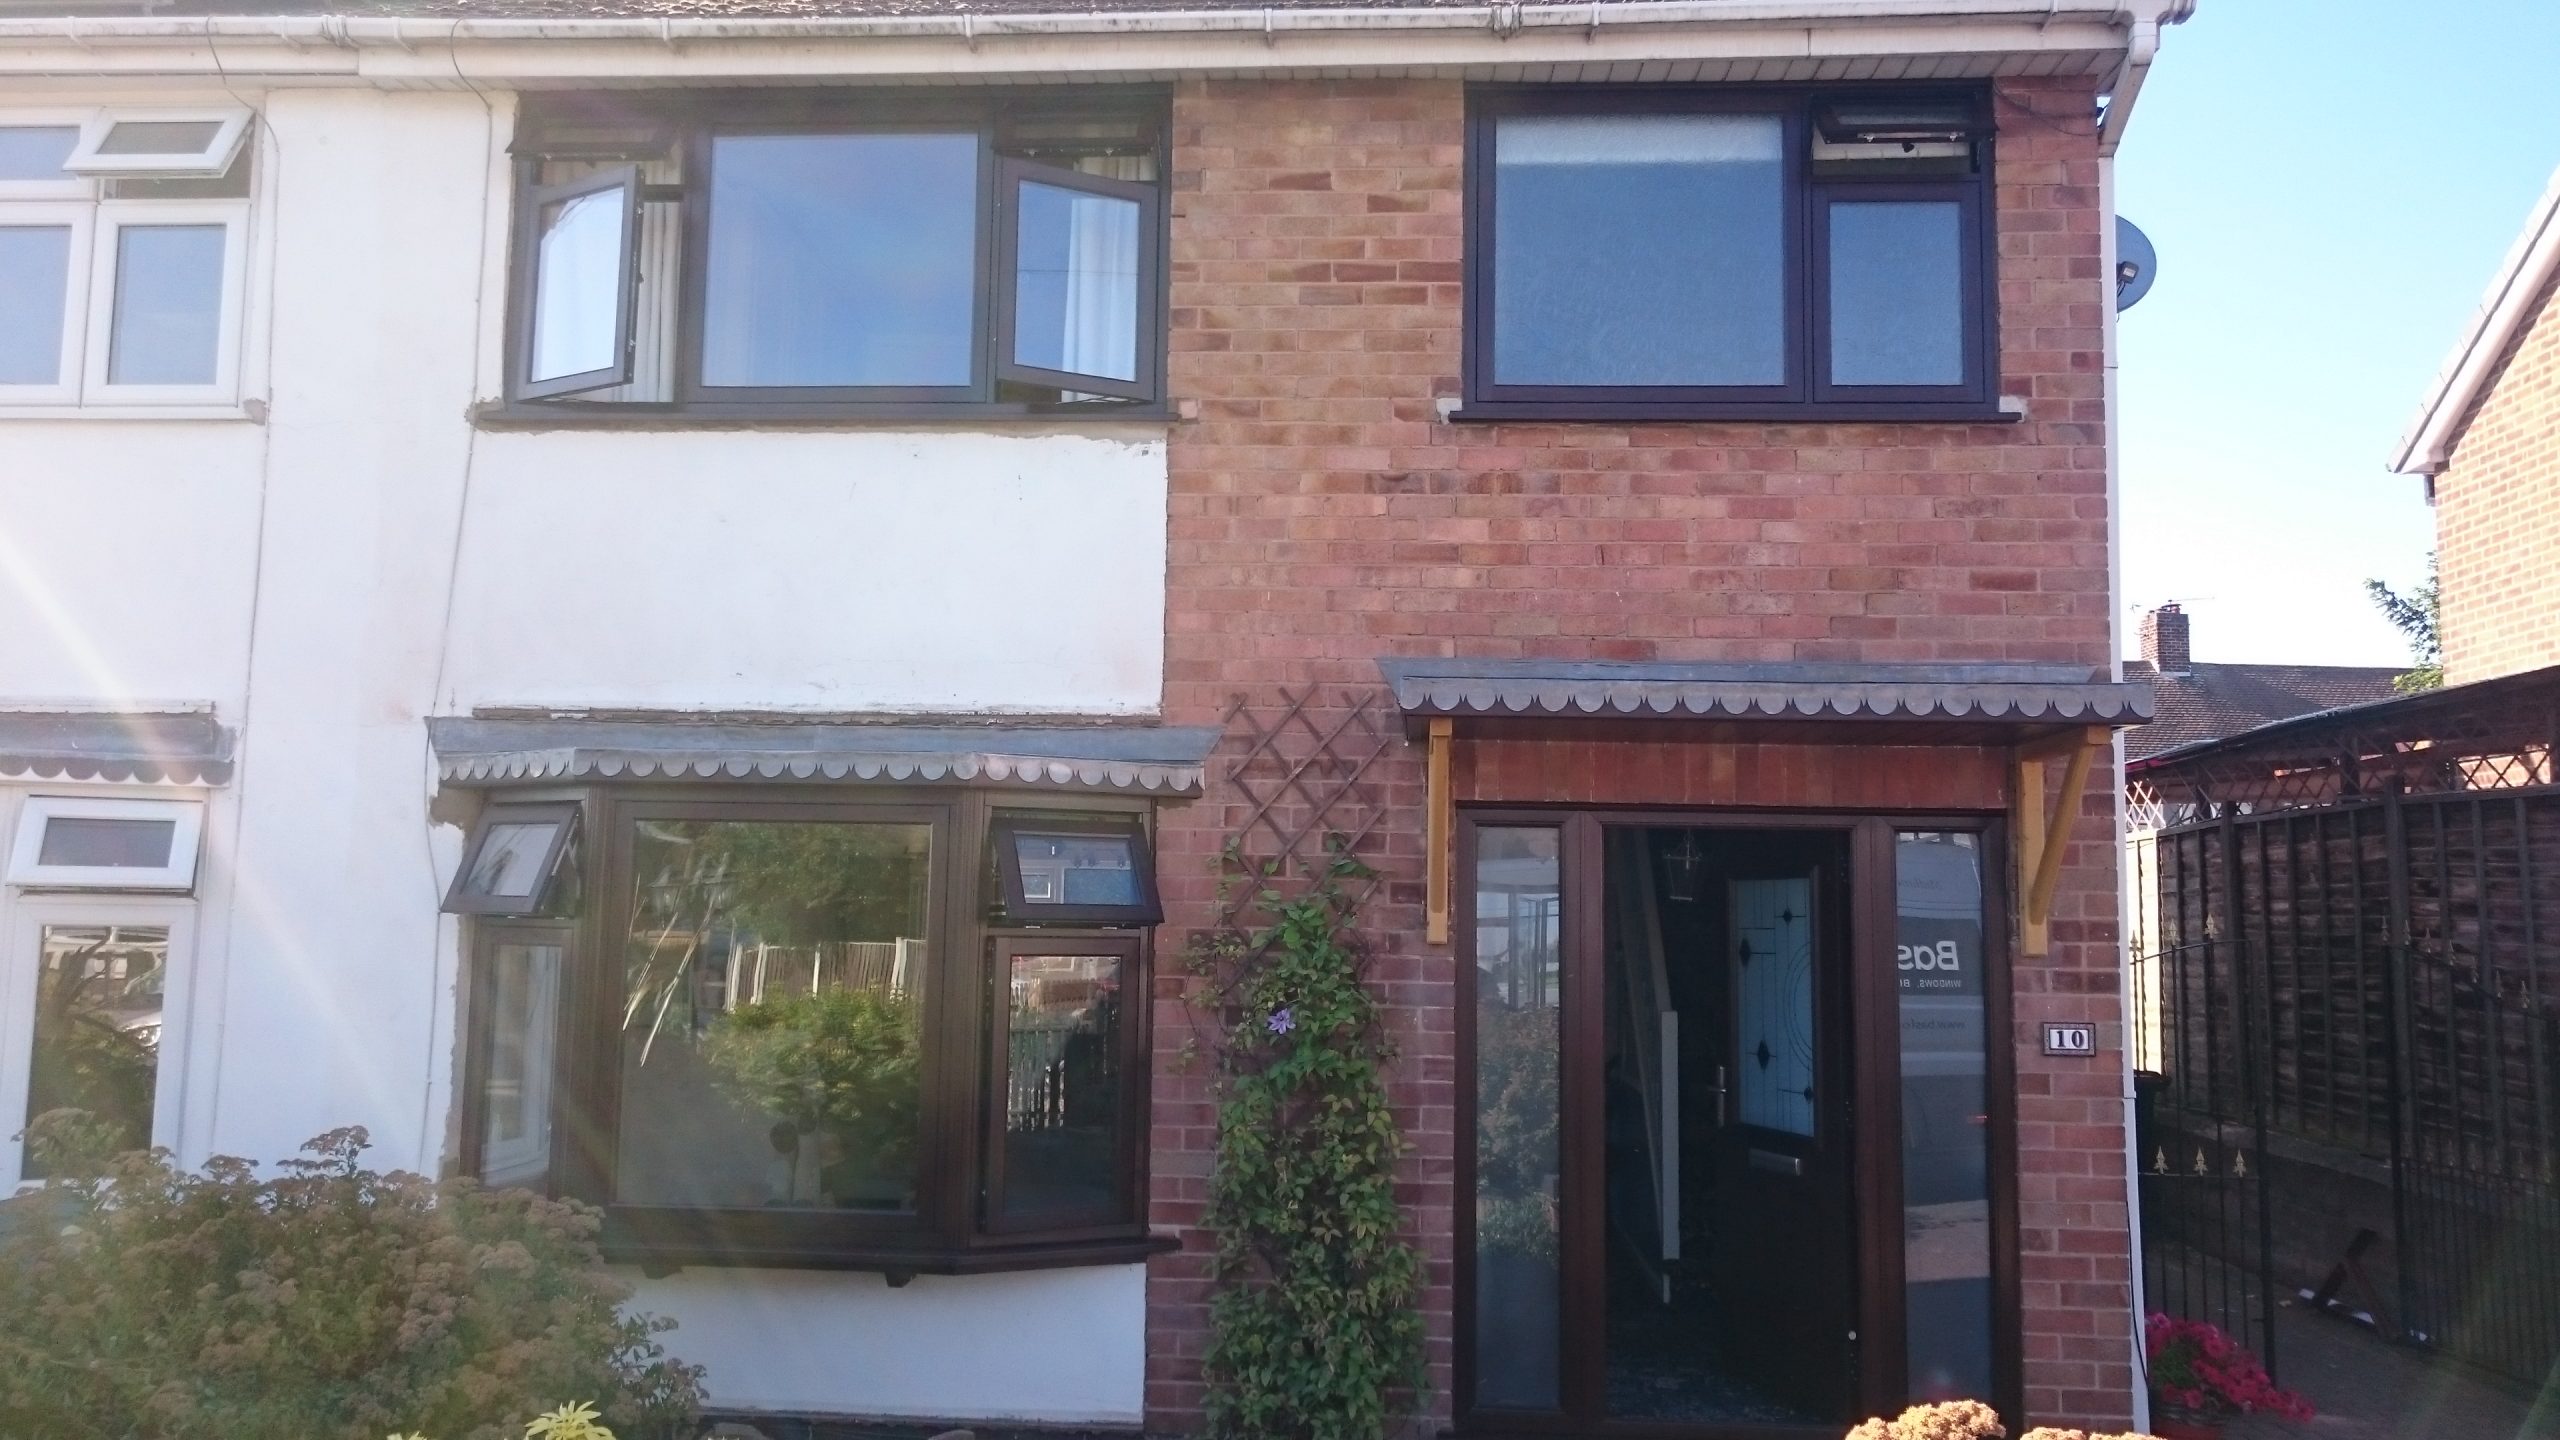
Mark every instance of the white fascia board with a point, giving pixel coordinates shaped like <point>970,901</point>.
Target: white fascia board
<point>1912,38</point>
<point>2512,302</point>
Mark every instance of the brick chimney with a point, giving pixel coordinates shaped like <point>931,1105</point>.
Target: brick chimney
<point>2164,640</point>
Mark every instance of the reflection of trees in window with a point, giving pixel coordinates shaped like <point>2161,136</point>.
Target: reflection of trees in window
<point>97,1028</point>
<point>774,979</point>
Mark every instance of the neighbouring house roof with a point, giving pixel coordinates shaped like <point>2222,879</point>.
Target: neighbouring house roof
<point>161,747</point>
<point>2487,735</point>
<point>2523,286</point>
<point>1924,702</point>
<point>2211,702</point>
<point>1154,759</point>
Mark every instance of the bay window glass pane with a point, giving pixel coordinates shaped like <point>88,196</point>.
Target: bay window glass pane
<point>1639,250</point>
<point>510,860</point>
<point>841,260</point>
<point>35,286</point>
<point>168,305</point>
<point>1076,282</point>
<point>1897,292</point>
<point>1078,869</point>
<point>1063,1086</point>
<point>577,284</point>
<point>1519,999</point>
<point>520,985</point>
<point>97,1029</point>
<point>36,152</point>
<point>772,1047</point>
<point>1946,1123</point>
<point>106,843</point>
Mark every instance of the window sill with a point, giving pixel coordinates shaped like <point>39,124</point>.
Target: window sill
<point>505,415</point>
<point>661,1257</point>
<point>1928,412</point>
<point>251,411</point>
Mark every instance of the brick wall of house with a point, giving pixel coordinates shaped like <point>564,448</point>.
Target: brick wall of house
<point>2498,518</point>
<point>1322,516</point>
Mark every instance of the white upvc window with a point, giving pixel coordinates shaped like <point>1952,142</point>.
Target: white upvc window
<point>78,842</point>
<point>90,988</point>
<point>124,241</point>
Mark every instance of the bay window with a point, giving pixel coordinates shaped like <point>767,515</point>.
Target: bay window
<point>764,255</point>
<point>123,256</point>
<point>1728,254</point>
<point>818,1030</point>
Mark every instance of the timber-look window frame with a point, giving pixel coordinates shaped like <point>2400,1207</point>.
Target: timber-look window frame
<point>1817,173</point>
<point>572,963</point>
<point>671,331</point>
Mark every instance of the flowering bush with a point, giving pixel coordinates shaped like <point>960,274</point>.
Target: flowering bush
<point>328,1302</point>
<point>1961,1420</point>
<point>2194,1366</point>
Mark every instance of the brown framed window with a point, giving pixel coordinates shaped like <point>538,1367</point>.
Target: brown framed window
<point>1081,870</point>
<point>512,860</point>
<point>785,254</point>
<point>511,1050</point>
<point>1063,1102</point>
<point>768,1039</point>
<point>1767,254</point>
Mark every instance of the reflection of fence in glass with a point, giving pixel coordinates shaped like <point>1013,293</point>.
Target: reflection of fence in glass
<point>881,967</point>
<point>1059,1060</point>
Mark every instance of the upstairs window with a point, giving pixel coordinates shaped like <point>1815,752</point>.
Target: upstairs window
<point>1733,254</point>
<point>122,256</point>
<point>765,256</point>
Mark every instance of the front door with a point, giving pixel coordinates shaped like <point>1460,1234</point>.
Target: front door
<point>1664,1161</point>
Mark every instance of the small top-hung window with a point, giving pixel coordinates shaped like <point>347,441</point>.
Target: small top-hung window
<point>511,860</point>
<point>76,843</point>
<point>176,142</point>
<point>1068,870</point>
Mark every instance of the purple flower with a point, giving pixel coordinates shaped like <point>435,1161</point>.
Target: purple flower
<point>1281,1021</point>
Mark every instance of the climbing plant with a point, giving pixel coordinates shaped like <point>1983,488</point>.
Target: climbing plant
<point>1314,1331</point>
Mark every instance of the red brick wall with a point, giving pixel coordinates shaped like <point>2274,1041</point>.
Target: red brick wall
<point>1321,517</point>
<point>2498,518</point>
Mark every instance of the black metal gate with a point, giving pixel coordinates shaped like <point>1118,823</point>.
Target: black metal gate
<point>2346,1013</point>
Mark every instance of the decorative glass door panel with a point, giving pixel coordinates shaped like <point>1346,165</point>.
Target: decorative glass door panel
<point>1774,1082</point>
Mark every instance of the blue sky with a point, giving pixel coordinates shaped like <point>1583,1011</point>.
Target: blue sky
<point>2330,184</point>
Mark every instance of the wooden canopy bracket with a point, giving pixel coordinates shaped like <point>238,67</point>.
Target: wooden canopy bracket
<point>1440,827</point>
<point>2043,836</point>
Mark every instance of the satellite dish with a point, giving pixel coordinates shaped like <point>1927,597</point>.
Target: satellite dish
<point>2136,263</point>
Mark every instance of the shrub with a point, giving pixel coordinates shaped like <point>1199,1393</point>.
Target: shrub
<point>1312,1325</point>
<point>2195,1367</point>
<point>328,1302</point>
<point>1961,1420</point>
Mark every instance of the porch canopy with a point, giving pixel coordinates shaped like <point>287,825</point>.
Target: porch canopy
<point>2039,713</point>
<point>179,747</point>
<point>1881,704</point>
<point>1125,758</point>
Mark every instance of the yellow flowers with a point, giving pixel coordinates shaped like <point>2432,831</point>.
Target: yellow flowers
<point>569,1422</point>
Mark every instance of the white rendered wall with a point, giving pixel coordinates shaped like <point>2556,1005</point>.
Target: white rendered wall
<point>366,557</point>
<point>1064,1346</point>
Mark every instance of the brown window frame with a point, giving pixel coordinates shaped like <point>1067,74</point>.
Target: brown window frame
<point>951,1229</point>
<point>1020,909</point>
<point>1004,947</point>
<point>580,126</point>
<point>1806,393</point>
<point>461,900</point>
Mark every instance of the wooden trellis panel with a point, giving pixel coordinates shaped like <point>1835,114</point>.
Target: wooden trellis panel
<point>1301,773</point>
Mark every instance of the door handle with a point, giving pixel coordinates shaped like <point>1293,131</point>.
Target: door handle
<point>1718,1090</point>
